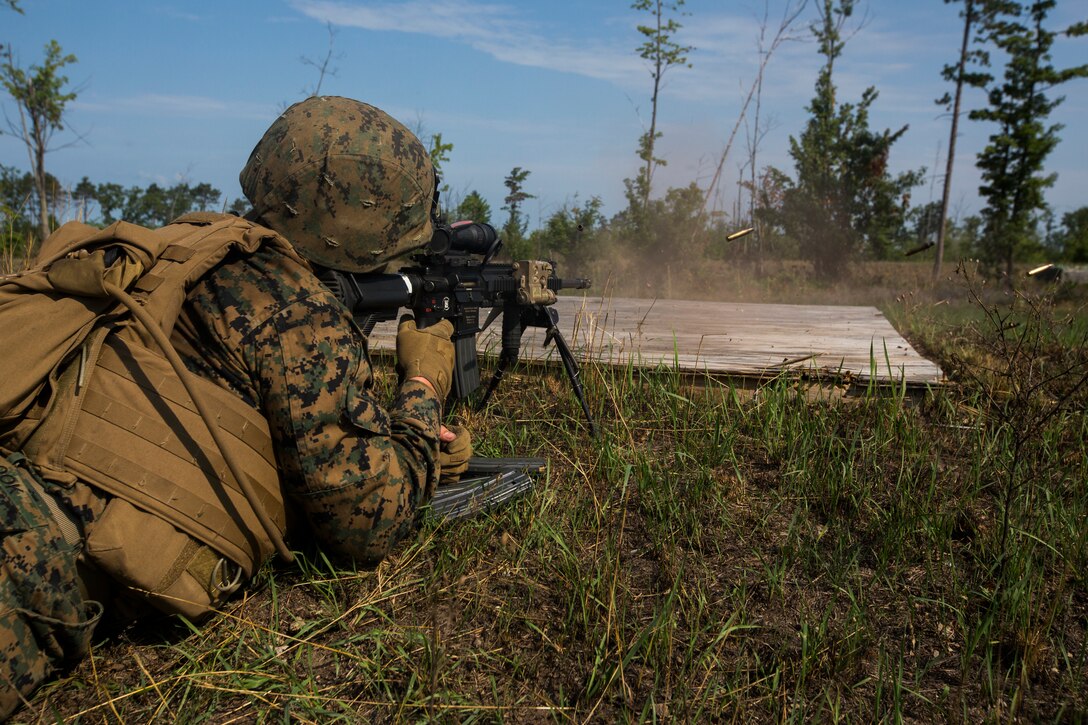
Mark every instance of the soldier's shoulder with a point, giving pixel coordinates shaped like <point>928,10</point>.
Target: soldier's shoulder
<point>259,285</point>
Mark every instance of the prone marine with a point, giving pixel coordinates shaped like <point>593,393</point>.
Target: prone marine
<point>175,403</point>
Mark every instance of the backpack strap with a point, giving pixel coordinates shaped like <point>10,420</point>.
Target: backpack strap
<point>191,246</point>
<point>196,243</point>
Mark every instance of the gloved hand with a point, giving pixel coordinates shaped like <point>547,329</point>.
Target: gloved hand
<point>453,455</point>
<point>426,353</point>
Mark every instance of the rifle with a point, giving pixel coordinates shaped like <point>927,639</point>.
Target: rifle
<point>452,278</point>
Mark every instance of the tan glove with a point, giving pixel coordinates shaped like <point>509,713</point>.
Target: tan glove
<point>426,353</point>
<point>453,456</point>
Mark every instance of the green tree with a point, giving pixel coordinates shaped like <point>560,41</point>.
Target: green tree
<point>83,196</point>
<point>40,95</point>
<point>663,52</point>
<point>966,236</point>
<point>1073,236</point>
<point>239,207</point>
<point>570,231</point>
<point>440,154</point>
<point>513,231</point>
<point>204,197</point>
<point>19,195</point>
<point>474,208</point>
<point>674,227</point>
<point>922,222</point>
<point>769,217</point>
<point>844,201</point>
<point>439,151</point>
<point>152,206</point>
<point>16,195</point>
<point>679,226</point>
<point>111,198</point>
<point>1011,165</point>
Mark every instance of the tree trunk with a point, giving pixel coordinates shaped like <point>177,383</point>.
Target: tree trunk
<point>39,182</point>
<point>968,17</point>
<point>653,114</point>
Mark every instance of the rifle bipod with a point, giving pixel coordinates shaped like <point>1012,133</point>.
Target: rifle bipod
<point>514,322</point>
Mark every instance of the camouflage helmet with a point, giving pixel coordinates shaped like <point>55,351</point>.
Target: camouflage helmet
<point>346,183</point>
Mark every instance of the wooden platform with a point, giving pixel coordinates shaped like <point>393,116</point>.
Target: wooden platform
<point>733,340</point>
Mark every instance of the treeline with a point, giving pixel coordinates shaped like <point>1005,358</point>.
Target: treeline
<point>98,203</point>
<point>662,231</point>
<point>675,232</point>
<point>150,206</point>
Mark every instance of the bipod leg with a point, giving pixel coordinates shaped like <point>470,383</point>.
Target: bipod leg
<point>512,328</point>
<point>496,378</point>
<point>573,372</point>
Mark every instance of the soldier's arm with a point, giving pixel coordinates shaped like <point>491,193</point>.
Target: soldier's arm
<point>357,470</point>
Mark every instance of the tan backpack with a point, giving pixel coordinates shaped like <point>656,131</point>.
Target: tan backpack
<point>91,390</point>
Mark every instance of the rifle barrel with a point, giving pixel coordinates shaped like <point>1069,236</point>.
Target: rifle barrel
<point>573,283</point>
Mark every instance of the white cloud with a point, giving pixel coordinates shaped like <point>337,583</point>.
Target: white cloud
<point>159,104</point>
<point>498,30</point>
<point>177,14</point>
<point>440,18</point>
<point>724,60</point>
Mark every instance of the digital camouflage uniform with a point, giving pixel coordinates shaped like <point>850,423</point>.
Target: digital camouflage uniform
<point>357,472</point>
<point>266,328</point>
<point>44,622</point>
<point>263,326</point>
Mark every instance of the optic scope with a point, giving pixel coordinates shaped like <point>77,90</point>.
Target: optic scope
<point>468,237</point>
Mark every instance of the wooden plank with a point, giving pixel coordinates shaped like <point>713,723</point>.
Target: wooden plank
<point>725,338</point>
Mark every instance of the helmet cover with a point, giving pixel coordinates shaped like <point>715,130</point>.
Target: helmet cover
<point>350,186</point>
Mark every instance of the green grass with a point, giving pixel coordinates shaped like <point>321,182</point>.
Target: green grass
<point>713,556</point>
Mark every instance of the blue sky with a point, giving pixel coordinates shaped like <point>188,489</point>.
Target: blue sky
<point>172,90</point>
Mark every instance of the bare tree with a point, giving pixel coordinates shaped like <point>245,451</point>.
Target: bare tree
<point>39,94</point>
<point>322,66</point>
<point>958,74</point>
<point>758,131</point>
<point>790,13</point>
